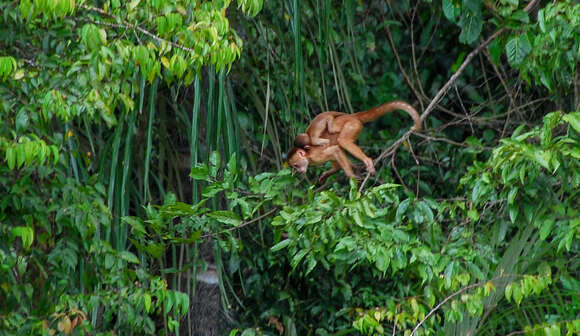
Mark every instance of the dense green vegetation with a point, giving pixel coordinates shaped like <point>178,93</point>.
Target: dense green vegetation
<point>135,137</point>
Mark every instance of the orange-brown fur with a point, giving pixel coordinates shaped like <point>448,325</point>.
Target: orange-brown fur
<point>341,130</point>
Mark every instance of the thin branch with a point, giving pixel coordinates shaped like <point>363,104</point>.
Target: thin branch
<point>401,68</point>
<point>413,55</point>
<point>128,25</point>
<point>392,149</point>
<point>389,151</point>
<point>418,167</point>
<point>268,213</point>
<point>467,114</point>
<point>464,289</point>
<point>507,91</point>
<point>456,75</point>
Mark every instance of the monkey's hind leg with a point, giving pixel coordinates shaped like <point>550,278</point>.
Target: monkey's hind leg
<point>346,139</point>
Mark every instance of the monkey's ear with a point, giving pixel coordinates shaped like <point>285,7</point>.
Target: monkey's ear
<point>301,152</point>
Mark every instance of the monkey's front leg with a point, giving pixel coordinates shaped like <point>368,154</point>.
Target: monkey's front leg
<point>341,160</point>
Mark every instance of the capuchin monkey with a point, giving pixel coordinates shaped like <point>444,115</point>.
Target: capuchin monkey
<point>330,133</point>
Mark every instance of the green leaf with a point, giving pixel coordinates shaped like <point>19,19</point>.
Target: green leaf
<point>402,209</point>
<point>25,233</point>
<point>298,257</point>
<point>311,263</point>
<point>232,164</point>
<point>200,172</point>
<point>147,302</point>
<point>383,260</point>
<point>356,215</point>
<point>226,216</point>
<point>517,48</point>
<point>495,49</point>
<point>129,257</point>
<point>280,245</point>
<point>542,20</point>
<point>473,214</point>
<point>135,223</point>
<point>215,160</point>
<point>10,157</point>
<point>155,250</point>
<point>450,10</point>
<point>520,16</point>
<point>458,61</point>
<point>573,119</point>
<point>513,211</point>
<point>512,195</point>
<point>471,25</point>
<point>553,330</point>
<point>508,292</point>
<point>426,211</point>
<point>169,301</point>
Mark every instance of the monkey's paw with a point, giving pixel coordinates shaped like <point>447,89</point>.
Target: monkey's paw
<point>370,166</point>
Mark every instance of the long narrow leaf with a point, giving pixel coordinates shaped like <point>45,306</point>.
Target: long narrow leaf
<point>194,141</point>
<point>152,92</point>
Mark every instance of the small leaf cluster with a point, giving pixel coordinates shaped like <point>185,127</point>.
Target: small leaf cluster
<point>7,66</point>
<point>549,49</point>
<point>28,152</point>
<point>536,174</point>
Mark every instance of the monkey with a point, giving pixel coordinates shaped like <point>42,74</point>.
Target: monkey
<point>299,158</point>
<point>322,122</point>
<point>346,129</point>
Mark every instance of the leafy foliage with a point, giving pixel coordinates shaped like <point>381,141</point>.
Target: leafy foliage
<point>66,69</point>
<point>470,227</point>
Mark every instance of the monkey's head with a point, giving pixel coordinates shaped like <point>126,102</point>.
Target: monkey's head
<point>297,159</point>
<point>302,140</point>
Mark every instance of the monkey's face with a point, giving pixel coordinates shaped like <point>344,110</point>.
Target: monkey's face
<point>298,161</point>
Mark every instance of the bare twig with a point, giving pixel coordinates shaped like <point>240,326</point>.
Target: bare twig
<point>397,173</point>
<point>507,91</point>
<point>485,79</point>
<point>418,167</point>
<point>413,55</point>
<point>467,114</point>
<point>402,69</point>
<point>451,142</point>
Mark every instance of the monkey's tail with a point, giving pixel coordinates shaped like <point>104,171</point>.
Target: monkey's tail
<point>378,111</point>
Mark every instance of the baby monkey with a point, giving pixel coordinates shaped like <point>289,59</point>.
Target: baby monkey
<point>322,122</point>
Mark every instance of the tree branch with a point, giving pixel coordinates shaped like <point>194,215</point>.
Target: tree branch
<point>392,149</point>
<point>266,214</point>
<point>128,25</point>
